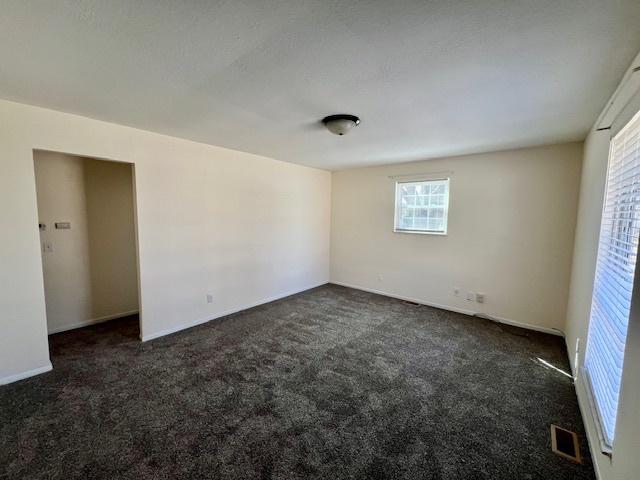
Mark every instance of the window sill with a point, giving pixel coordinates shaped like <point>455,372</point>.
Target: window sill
<point>420,232</point>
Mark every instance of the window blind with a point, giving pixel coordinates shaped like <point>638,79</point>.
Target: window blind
<point>615,269</point>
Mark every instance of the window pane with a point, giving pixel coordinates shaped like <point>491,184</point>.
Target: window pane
<point>434,224</point>
<point>408,189</point>
<point>420,224</point>
<point>437,213</point>
<point>409,200</point>
<point>437,200</point>
<point>422,212</point>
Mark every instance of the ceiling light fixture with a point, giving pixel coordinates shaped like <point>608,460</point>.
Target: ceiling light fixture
<point>340,124</point>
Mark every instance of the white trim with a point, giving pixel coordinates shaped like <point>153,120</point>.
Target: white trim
<point>91,321</point>
<point>507,321</point>
<point>200,321</point>
<point>627,88</point>
<point>596,455</point>
<point>29,373</point>
<point>424,175</point>
<point>445,207</point>
<point>605,448</point>
<point>420,232</point>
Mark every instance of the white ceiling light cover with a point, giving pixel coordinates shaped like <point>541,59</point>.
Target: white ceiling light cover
<point>341,124</point>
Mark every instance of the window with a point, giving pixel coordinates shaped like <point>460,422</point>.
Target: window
<point>421,207</point>
<point>613,285</point>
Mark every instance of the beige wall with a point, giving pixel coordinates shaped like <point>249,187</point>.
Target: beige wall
<point>67,276</point>
<point>243,228</point>
<point>625,461</point>
<point>91,274</point>
<point>112,238</point>
<point>510,234</point>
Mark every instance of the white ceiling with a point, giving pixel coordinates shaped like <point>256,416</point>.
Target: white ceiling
<point>428,78</point>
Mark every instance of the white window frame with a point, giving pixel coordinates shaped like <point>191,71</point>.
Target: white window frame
<point>398,206</point>
<point>611,203</point>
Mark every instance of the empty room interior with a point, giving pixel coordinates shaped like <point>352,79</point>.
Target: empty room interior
<point>314,239</point>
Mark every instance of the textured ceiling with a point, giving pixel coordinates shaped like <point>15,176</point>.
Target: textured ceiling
<point>428,78</point>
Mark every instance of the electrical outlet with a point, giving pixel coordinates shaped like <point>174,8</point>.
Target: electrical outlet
<point>456,291</point>
<point>380,277</point>
<point>480,297</point>
<point>47,247</point>
<point>470,296</point>
<point>209,298</point>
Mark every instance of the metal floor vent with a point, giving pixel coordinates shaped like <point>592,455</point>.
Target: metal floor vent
<point>565,443</point>
<point>411,304</point>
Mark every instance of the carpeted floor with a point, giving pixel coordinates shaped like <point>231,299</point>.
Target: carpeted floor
<point>332,383</point>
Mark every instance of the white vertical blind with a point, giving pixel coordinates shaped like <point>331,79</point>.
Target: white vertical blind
<point>615,268</point>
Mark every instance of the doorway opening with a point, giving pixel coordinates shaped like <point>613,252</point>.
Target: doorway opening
<point>88,237</point>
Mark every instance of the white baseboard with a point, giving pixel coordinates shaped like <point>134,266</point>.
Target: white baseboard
<point>589,427</point>
<point>29,373</point>
<point>91,321</point>
<point>586,413</point>
<point>486,316</point>
<point>193,323</point>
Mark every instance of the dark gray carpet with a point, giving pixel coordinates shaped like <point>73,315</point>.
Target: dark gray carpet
<point>332,383</point>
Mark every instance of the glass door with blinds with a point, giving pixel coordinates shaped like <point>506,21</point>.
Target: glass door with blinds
<point>613,285</point>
